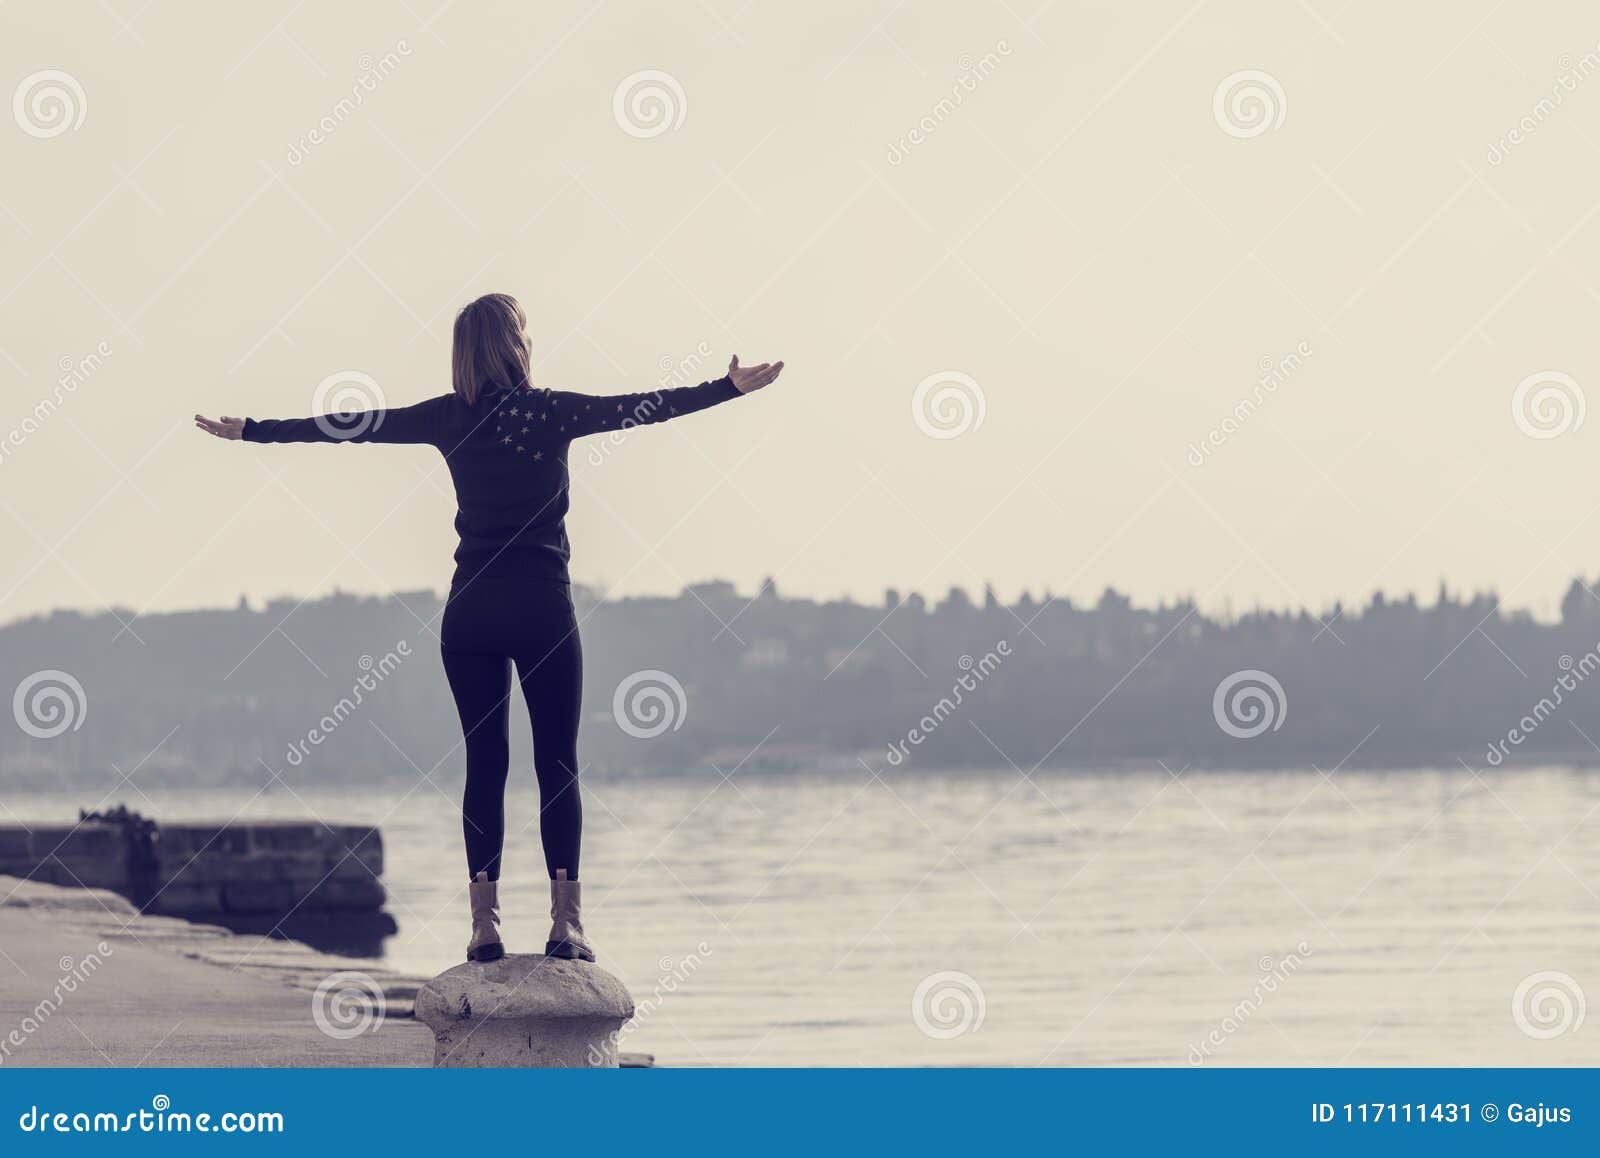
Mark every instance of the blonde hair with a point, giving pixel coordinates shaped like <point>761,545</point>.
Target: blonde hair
<point>490,349</point>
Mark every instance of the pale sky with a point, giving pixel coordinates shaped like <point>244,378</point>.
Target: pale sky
<point>1080,236</point>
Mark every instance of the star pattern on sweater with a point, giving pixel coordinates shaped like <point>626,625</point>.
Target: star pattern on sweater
<point>525,426</point>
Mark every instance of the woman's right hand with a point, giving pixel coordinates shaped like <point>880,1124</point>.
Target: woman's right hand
<point>230,428</point>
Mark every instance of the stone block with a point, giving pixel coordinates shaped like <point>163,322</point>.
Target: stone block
<point>220,868</point>
<point>177,899</point>
<point>349,868</point>
<point>15,844</point>
<point>289,836</point>
<point>89,840</point>
<point>524,1011</point>
<point>178,842</point>
<point>362,844</point>
<point>367,893</point>
<point>88,871</point>
<point>258,897</point>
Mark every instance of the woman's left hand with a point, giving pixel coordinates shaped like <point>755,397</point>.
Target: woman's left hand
<point>748,379</point>
<point>230,428</point>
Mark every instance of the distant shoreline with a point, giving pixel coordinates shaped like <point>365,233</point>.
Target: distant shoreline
<point>770,685</point>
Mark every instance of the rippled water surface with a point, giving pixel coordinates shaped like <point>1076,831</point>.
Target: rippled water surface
<point>1363,918</point>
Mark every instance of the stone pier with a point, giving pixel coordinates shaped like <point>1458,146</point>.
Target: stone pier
<point>525,1011</point>
<point>237,868</point>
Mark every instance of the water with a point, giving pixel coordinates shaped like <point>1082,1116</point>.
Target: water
<point>1104,918</point>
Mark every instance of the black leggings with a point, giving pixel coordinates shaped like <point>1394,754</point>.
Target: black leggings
<point>492,621</point>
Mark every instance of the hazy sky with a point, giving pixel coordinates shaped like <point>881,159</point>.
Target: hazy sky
<point>1105,252</point>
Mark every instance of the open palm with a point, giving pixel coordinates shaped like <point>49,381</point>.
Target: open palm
<point>229,428</point>
<point>748,379</point>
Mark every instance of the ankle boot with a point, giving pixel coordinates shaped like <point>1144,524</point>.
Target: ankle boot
<point>485,944</point>
<point>566,931</point>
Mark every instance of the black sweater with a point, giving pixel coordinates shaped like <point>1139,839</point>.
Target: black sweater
<point>507,456</point>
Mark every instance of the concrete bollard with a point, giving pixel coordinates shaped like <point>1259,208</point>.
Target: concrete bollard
<point>524,1011</point>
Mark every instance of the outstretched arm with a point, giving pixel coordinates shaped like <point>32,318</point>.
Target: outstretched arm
<point>583,414</point>
<point>409,424</point>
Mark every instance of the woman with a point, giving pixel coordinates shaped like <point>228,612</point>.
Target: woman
<point>505,441</point>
